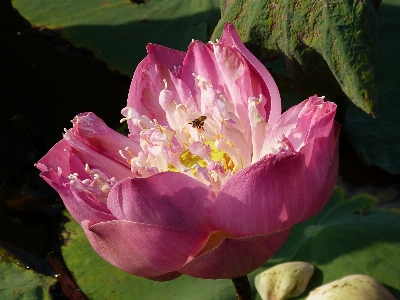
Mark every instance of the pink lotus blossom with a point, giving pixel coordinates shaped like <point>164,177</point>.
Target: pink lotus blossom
<point>212,176</point>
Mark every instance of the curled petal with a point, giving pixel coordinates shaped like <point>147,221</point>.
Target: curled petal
<point>302,123</point>
<point>89,207</point>
<point>235,257</point>
<point>96,160</point>
<point>101,138</point>
<point>142,249</point>
<point>81,206</point>
<point>59,158</point>
<point>56,166</point>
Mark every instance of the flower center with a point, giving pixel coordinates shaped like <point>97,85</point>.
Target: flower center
<point>202,138</point>
<point>219,157</point>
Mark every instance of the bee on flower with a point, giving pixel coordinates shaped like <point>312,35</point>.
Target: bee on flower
<point>199,122</point>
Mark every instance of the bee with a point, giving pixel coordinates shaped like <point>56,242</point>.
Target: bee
<point>199,122</point>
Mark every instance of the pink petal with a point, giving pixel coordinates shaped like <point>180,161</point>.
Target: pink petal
<point>142,249</point>
<point>61,161</point>
<point>258,129</point>
<point>143,94</point>
<point>147,82</point>
<point>80,205</point>
<point>101,138</point>
<point>200,60</point>
<point>56,158</point>
<point>235,257</point>
<point>166,57</point>
<point>227,71</point>
<point>168,199</point>
<point>96,160</point>
<point>278,191</point>
<point>330,180</point>
<point>180,91</point>
<point>238,80</point>
<point>301,123</point>
<point>270,90</point>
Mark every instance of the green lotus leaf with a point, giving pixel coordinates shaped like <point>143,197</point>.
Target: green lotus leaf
<point>329,46</point>
<point>348,237</point>
<point>18,282</point>
<point>117,31</point>
<point>377,140</point>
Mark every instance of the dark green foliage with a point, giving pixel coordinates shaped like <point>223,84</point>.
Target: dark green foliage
<point>329,46</point>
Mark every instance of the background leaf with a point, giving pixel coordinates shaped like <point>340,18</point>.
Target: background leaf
<point>377,140</point>
<point>17,282</point>
<point>318,38</point>
<point>347,237</point>
<point>117,31</point>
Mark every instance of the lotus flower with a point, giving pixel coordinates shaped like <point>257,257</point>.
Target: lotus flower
<point>212,176</point>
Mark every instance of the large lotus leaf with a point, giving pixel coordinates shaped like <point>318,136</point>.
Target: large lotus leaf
<point>347,237</point>
<point>117,31</point>
<point>377,140</point>
<point>318,38</point>
<point>17,282</point>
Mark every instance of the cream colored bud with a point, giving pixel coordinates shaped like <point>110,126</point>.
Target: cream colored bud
<point>354,287</point>
<point>284,281</point>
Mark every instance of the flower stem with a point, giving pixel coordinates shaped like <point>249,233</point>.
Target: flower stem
<point>242,286</point>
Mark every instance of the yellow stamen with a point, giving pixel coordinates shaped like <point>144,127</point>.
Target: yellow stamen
<point>189,160</point>
<point>172,168</point>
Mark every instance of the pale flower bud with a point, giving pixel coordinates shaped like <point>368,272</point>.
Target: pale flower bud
<point>355,287</point>
<point>284,280</point>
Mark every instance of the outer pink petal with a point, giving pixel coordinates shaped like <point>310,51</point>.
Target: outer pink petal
<point>235,257</point>
<point>270,89</point>
<point>101,138</point>
<point>278,191</point>
<point>141,249</point>
<point>168,199</point>
<point>330,180</point>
